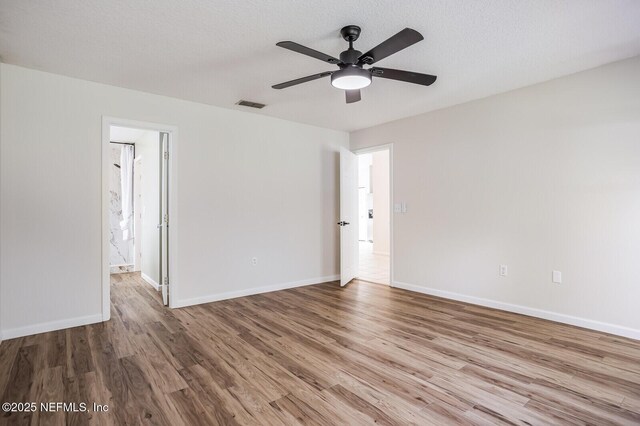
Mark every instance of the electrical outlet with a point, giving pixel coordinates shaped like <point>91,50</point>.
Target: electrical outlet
<point>397,208</point>
<point>556,277</point>
<point>254,261</point>
<point>504,271</point>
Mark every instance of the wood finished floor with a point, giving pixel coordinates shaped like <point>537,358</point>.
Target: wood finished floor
<point>322,355</point>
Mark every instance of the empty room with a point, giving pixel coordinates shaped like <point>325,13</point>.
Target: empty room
<point>320,213</point>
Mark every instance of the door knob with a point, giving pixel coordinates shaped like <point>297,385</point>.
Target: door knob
<point>343,223</point>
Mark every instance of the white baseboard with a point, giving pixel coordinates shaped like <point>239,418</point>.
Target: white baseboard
<point>251,291</point>
<point>519,309</point>
<point>150,280</point>
<point>50,326</point>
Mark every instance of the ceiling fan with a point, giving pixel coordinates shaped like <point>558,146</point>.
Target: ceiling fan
<point>352,76</point>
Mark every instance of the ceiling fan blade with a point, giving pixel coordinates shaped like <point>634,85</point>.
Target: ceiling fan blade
<point>308,51</point>
<point>396,43</point>
<point>408,76</point>
<point>302,80</point>
<point>352,95</point>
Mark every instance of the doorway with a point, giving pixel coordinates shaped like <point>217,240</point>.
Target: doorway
<point>374,220</point>
<point>136,200</point>
<point>366,228</point>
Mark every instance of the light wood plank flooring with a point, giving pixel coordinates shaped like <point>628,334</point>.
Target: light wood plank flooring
<point>373,267</point>
<point>322,355</point>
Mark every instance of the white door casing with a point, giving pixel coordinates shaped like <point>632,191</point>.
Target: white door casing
<point>137,214</point>
<point>164,217</point>
<point>172,195</point>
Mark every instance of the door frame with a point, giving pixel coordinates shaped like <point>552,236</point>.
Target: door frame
<point>370,150</point>
<point>136,218</point>
<point>107,122</point>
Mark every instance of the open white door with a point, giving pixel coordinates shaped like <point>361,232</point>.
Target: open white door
<point>348,216</point>
<point>164,216</point>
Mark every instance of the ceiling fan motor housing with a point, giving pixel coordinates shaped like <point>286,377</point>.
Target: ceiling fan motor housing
<point>350,56</point>
<point>350,33</point>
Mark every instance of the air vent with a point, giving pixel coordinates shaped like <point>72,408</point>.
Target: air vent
<point>250,104</point>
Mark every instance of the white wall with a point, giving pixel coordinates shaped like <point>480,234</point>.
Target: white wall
<point>247,185</point>
<point>364,171</point>
<point>542,178</point>
<point>381,219</point>
<point>148,147</point>
<point>365,198</point>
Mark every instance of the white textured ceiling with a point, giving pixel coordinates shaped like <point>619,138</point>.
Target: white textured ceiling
<point>218,52</point>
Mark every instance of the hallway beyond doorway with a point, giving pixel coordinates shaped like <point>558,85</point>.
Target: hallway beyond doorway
<point>373,267</point>
<point>374,215</point>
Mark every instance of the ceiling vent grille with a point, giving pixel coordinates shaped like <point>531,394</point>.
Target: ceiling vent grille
<point>250,104</point>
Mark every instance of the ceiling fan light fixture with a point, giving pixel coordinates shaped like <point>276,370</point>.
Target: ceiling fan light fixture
<point>351,78</point>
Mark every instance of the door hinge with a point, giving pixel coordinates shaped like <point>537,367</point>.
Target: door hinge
<point>166,281</point>
<point>166,155</point>
<point>166,218</point>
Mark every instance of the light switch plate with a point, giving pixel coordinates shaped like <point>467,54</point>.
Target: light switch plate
<point>556,276</point>
<point>404,207</point>
<point>504,270</point>
<point>397,208</point>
